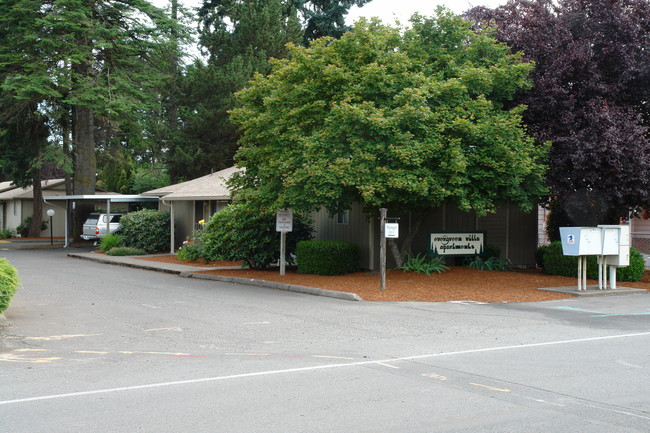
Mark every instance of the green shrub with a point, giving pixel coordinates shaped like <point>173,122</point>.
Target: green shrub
<point>633,272</point>
<point>6,234</point>
<point>126,251</point>
<point>539,255</point>
<point>491,264</point>
<point>8,283</point>
<point>327,257</point>
<point>110,241</point>
<point>192,251</point>
<point>243,232</point>
<point>423,264</point>
<point>556,263</point>
<point>148,230</point>
<point>23,228</point>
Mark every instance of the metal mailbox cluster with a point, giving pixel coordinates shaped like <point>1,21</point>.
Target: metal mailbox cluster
<point>611,243</point>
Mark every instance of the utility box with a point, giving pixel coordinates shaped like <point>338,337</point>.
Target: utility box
<point>581,241</point>
<point>616,244</point>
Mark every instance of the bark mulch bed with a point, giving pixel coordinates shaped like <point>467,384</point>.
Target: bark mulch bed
<point>458,284</point>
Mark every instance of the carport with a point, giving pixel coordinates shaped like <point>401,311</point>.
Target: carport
<point>70,201</point>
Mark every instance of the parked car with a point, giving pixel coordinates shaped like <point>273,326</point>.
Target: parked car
<point>95,226</point>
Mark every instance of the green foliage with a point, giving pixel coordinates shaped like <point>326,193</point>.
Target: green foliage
<point>556,263</point>
<point>243,232</point>
<point>490,264</point>
<point>126,251</point>
<point>539,255</point>
<point>147,229</point>
<point>8,283</point>
<point>148,178</point>
<point>23,228</point>
<point>6,234</point>
<point>110,241</point>
<point>633,272</point>
<point>399,118</point>
<point>423,264</point>
<point>327,257</point>
<point>191,251</point>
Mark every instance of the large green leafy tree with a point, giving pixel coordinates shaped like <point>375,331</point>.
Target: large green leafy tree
<point>590,98</point>
<point>403,119</point>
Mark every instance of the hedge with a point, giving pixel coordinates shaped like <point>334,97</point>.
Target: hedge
<point>148,230</point>
<point>8,283</point>
<point>555,262</point>
<point>327,257</point>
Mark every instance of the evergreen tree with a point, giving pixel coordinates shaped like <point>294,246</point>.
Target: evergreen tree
<point>239,38</point>
<point>325,17</point>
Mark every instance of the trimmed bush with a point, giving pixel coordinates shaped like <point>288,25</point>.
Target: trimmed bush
<point>8,283</point>
<point>327,257</point>
<point>126,251</point>
<point>109,241</point>
<point>148,230</point>
<point>6,234</point>
<point>635,271</point>
<point>555,263</point>
<point>243,232</point>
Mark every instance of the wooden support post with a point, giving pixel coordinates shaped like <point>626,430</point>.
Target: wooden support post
<point>382,248</point>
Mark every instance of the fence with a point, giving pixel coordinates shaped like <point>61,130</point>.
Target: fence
<point>641,241</point>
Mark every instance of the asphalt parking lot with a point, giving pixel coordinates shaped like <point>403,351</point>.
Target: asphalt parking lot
<point>96,347</point>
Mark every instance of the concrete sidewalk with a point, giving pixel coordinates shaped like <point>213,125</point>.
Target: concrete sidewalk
<point>192,272</point>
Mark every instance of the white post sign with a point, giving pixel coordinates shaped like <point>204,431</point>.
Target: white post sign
<point>283,224</point>
<point>284,220</point>
<point>392,230</point>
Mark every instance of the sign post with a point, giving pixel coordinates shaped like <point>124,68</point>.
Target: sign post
<point>283,224</point>
<point>382,248</point>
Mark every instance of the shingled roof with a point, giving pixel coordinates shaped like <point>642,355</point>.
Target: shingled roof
<point>208,187</point>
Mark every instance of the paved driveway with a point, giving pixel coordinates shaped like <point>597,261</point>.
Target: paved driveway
<point>92,347</point>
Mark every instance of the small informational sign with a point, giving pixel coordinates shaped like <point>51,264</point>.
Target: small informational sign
<point>392,230</point>
<point>571,239</point>
<point>284,220</point>
<point>456,243</point>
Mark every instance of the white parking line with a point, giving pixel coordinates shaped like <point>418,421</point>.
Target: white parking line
<point>313,368</point>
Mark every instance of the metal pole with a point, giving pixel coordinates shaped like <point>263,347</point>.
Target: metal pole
<point>283,249</point>
<point>51,235</point>
<point>579,273</point>
<point>382,249</point>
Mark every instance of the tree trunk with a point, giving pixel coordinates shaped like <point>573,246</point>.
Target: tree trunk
<point>37,216</point>
<point>85,164</point>
<point>399,254</point>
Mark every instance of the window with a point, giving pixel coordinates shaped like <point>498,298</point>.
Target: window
<point>343,217</point>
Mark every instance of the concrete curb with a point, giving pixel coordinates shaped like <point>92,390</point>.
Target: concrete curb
<point>234,280</point>
<point>593,290</point>
<point>126,264</point>
<point>275,285</point>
